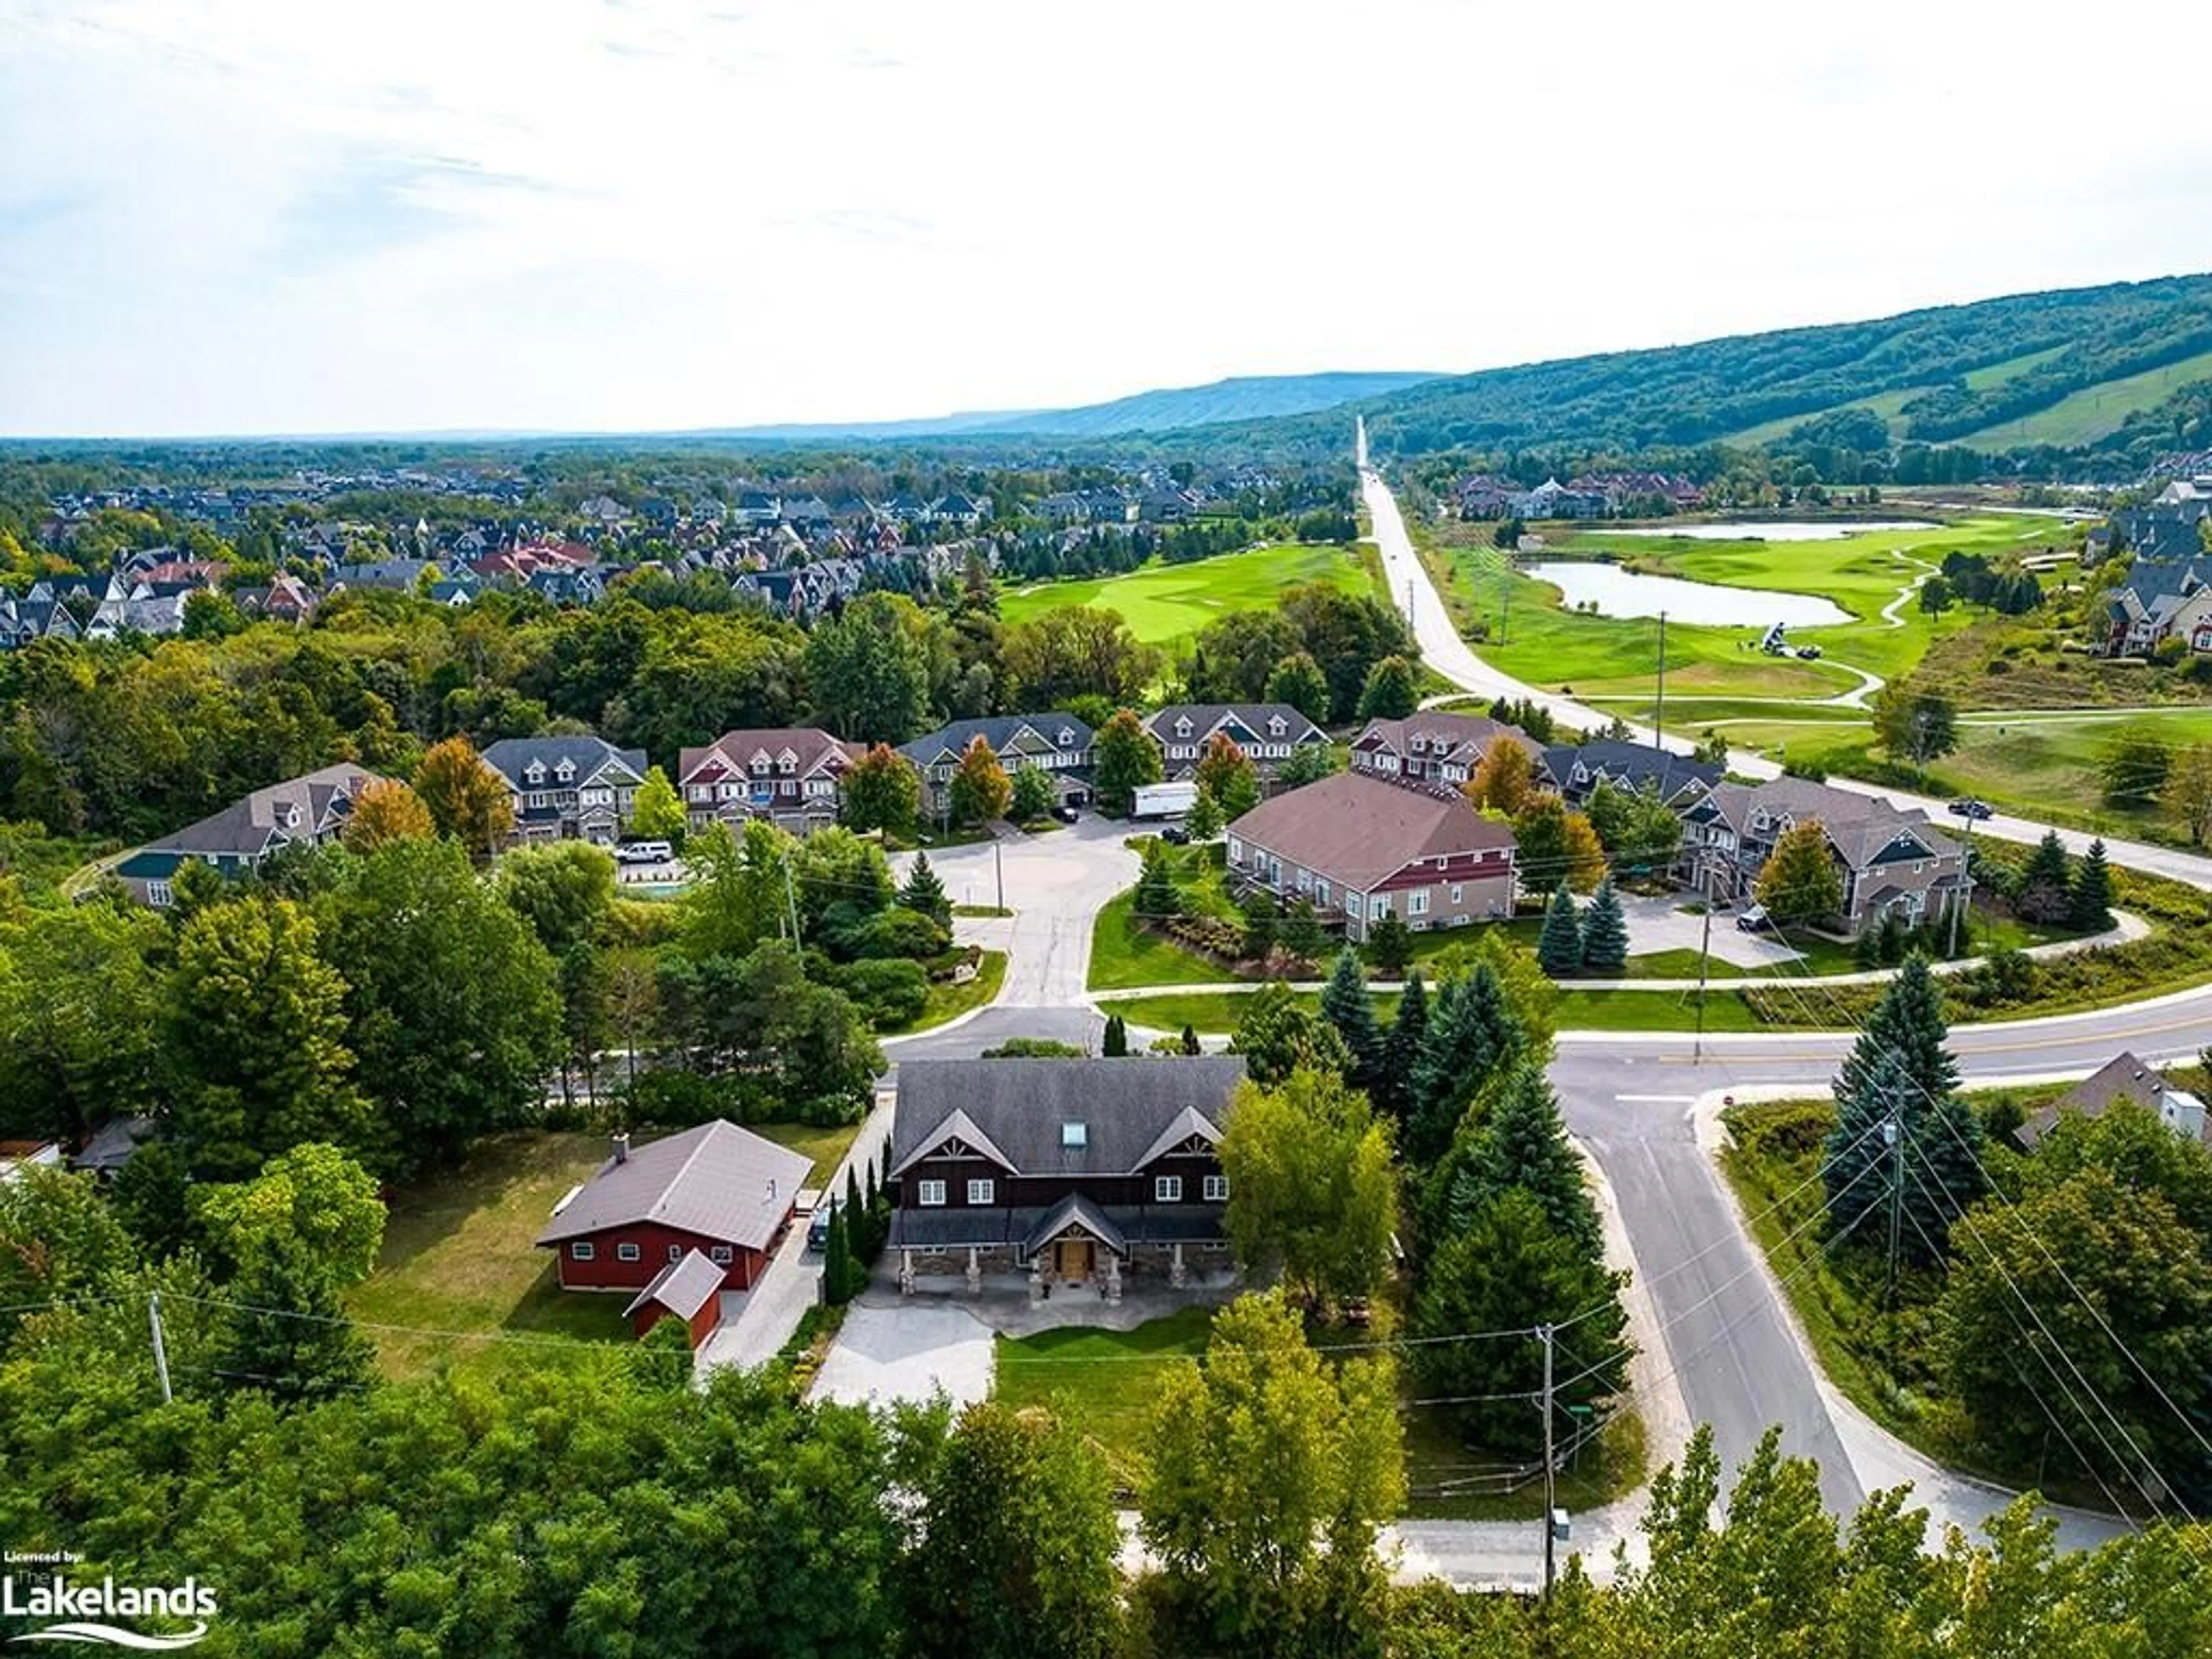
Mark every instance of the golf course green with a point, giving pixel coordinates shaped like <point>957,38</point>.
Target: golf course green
<point>1167,602</point>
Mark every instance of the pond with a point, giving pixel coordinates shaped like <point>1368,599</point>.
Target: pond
<point>1619,593</point>
<point>1780,530</point>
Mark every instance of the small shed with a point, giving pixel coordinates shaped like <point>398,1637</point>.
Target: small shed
<point>691,1289</point>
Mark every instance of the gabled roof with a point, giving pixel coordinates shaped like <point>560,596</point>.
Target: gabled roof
<point>1358,830</point>
<point>957,1126</point>
<point>1001,731</point>
<point>1020,1107</point>
<point>320,801</point>
<point>1207,717</point>
<point>1075,1211</point>
<point>1631,765</point>
<point>732,755</point>
<point>2124,1076</point>
<point>1463,738</point>
<point>1861,828</point>
<point>511,758</point>
<point>1188,1124</point>
<point>717,1181</point>
<point>681,1287</point>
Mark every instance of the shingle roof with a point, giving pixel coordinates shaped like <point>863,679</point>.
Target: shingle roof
<point>1123,1105</point>
<point>1000,732</point>
<point>681,1287</point>
<point>248,826</point>
<point>1862,827</point>
<point>717,1181</point>
<point>731,754</point>
<point>1633,764</point>
<point>2124,1076</point>
<point>1443,734</point>
<point>1075,1210</point>
<point>1204,717</point>
<point>1358,829</point>
<point>511,757</point>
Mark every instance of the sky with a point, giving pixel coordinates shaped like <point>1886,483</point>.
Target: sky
<point>261,217</point>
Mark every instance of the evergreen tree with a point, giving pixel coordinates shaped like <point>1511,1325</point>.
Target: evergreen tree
<point>2045,889</point>
<point>1393,1089</point>
<point>2091,906</point>
<point>1262,918</point>
<point>1190,1043</point>
<point>290,1337</point>
<point>1907,1023</point>
<point>837,1266</point>
<point>1470,1037</point>
<point>1559,945</point>
<point>1946,1153</point>
<point>1392,690</point>
<point>925,893</point>
<point>1389,945</point>
<point>1345,1004</point>
<point>1605,933</point>
<point>1156,898</point>
<point>1522,1143</point>
<point>1116,1043</point>
<point>1204,820</point>
<point>1301,931</point>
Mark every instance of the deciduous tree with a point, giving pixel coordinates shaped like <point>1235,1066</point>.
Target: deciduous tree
<point>1226,773</point>
<point>1078,650</point>
<point>1124,758</point>
<point>1297,681</point>
<point>465,798</point>
<point>1800,882</point>
<point>979,791</point>
<point>387,810</point>
<point>657,811</point>
<point>1392,690</point>
<point>1915,726</point>
<point>1555,843</point>
<point>1034,796</point>
<point>867,670</point>
<point>563,889</point>
<point>2188,791</point>
<point>882,791</point>
<point>1503,779</point>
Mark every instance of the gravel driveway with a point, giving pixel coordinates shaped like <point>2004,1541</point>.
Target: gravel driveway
<point>887,1354</point>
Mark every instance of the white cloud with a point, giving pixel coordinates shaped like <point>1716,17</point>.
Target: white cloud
<point>247,216</point>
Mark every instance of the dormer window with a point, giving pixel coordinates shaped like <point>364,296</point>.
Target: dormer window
<point>565,771</point>
<point>1419,744</point>
<point>535,772</point>
<point>1074,1136</point>
<point>760,766</point>
<point>1182,727</point>
<point>1066,739</point>
<point>787,765</point>
<point>1278,726</point>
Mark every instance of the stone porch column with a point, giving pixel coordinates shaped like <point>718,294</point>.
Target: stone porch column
<point>975,1273</point>
<point>906,1273</point>
<point>1178,1274</point>
<point>1037,1285</point>
<point>1114,1279</point>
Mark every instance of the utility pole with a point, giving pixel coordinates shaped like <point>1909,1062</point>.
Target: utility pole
<point>790,905</point>
<point>1893,1138</point>
<point>1659,708</point>
<point>1965,893</point>
<point>1544,1335</point>
<point>161,1351</point>
<point>1705,961</point>
<point>999,869</point>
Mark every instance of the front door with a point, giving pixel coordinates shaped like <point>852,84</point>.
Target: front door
<point>1075,1259</point>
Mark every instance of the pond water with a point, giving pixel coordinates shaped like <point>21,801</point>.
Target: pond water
<point>1780,530</point>
<point>1619,593</point>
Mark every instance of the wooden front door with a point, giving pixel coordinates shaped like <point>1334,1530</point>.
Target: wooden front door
<point>1074,1258</point>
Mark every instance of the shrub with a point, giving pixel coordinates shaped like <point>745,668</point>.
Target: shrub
<point>890,992</point>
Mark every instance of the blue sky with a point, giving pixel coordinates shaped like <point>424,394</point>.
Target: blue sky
<point>259,215</point>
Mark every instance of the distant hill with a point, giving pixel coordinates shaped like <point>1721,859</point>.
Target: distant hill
<point>2074,367</point>
<point>1249,398</point>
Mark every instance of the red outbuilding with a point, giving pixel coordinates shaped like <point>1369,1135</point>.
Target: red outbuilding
<point>717,1189</point>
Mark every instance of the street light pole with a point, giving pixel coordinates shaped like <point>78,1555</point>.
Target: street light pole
<point>1544,1335</point>
<point>1705,961</point>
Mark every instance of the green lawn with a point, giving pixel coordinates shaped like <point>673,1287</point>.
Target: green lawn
<point>825,1144</point>
<point>1216,1012</point>
<point>1111,1403</point>
<point>1890,405</point>
<point>950,1002</point>
<point>1601,656</point>
<point>1168,602</point>
<point>457,1256</point>
<point>1124,955</point>
<point>2090,413</point>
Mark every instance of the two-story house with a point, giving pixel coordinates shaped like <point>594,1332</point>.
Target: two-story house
<point>569,788</point>
<point>1268,732</point>
<point>306,810</point>
<point>1055,742</point>
<point>1578,769</point>
<point>1890,861</point>
<point>1433,747</point>
<point>1359,847</point>
<point>1080,1171</point>
<point>790,776</point>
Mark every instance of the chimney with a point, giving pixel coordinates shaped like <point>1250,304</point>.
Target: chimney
<point>622,1145</point>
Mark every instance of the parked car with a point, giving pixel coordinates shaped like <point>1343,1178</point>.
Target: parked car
<point>644,852</point>
<point>817,1224</point>
<point>1175,835</point>
<point>1066,814</point>
<point>1809,651</point>
<point>1967,807</point>
<point>1754,919</point>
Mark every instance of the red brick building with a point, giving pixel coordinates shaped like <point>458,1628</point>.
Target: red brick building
<point>717,1189</point>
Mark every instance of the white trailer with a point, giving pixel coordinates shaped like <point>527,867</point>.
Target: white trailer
<point>1163,800</point>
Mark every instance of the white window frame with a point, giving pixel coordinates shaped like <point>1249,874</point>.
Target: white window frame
<point>982,1192</point>
<point>583,1250</point>
<point>1458,894</point>
<point>720,1255</point>
<point>1216,1189</point>
<point>676,1253</point>
<point>629,1253</point>
<point>159,896</point>
<point>1417,902</point>
<point>1167,1189</point>
<point>930,1194</point>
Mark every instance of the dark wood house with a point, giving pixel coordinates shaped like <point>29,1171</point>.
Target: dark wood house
<point>1078,1171</point>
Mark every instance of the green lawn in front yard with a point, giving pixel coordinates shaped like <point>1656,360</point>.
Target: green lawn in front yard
<point>1164,602</point>
<point>1113,1402</point>
<point>949,1001</point>
<point>826,1144</point>
<point>457,1256</point>
<point>1216,1012</point>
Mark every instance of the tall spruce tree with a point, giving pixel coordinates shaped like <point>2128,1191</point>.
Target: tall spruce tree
<point>924,892</point>
<point>1190,1044</point>
<point>1605,933</point>
<point>1559,945</point>
<point>1344,1003</point>
<point>1393,1092</point>
<point>290,1337</point>
<point>1522,1143</point>
<point>1116,1043</point>
<point>1471,1037</point>
<point>2090,907</point>
<point>2045,889</point>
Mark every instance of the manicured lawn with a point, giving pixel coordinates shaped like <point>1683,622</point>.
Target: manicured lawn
<point>981,911</point>
<point>1123,956</point>
<point>1216,1012</point>
<point>1112,1402</point>
<point>1598,655</point>
<point>826,1145</point>
<point>950,1002</point>
<point>457,1256</point>
<point>1167,602</point>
